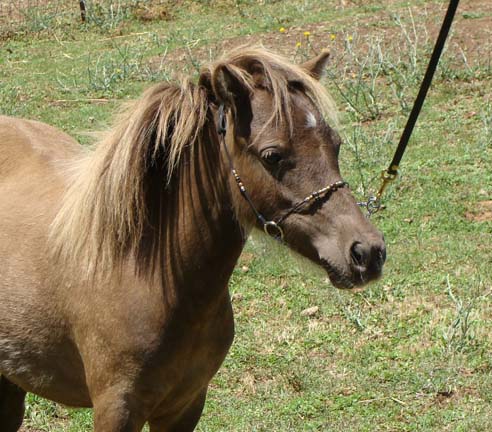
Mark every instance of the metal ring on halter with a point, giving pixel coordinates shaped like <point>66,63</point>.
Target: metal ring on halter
<point>272,229</point>
<point>372,205</point>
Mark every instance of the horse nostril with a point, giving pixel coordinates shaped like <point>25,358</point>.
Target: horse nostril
<point>358,254</point>
<point>367,256</point>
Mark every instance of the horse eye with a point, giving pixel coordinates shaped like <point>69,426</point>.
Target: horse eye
<point>271,157</point>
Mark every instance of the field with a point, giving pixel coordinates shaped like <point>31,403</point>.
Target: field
<point>412,352</point>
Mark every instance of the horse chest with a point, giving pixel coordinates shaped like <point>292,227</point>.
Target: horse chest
<point>189,354</point>
<point>202,346</point>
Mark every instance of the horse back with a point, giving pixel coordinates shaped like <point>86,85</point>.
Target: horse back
<point>34,160</point>
<point>27,144</point>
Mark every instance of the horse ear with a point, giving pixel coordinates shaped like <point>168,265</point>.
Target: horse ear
<point>205,81</point>
<point>316,66</point>
<point>229,87</point>
<point>235,93</point>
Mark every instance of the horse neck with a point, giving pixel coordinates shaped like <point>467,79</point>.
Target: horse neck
<point>202,239</point>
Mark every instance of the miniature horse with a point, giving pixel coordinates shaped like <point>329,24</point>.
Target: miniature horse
<point>115,261</point>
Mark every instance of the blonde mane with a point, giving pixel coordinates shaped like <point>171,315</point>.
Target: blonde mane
<point>104,212</point>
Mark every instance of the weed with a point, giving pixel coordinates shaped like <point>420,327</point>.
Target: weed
<point>351,311</point>
<point>108,15</point>
<point>358,85</point>
<point>369,150</point>
<point>486,117</point>
<point>459,336</point>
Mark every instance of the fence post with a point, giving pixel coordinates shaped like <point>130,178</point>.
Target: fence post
<point>83,12</point>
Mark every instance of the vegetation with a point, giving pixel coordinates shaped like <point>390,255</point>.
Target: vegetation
<point>412,352</point>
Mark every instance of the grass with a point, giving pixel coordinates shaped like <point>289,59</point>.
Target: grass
<point>411,352</point>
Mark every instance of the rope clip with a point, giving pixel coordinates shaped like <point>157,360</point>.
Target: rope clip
<point>387,176</point>
<point>373,203</point>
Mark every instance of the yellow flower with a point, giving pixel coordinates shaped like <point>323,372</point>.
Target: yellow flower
<point>350,38</point>
<point>307,34</point>
<point>281,29</point>
<point>298,45</point>
<point>333,36</point>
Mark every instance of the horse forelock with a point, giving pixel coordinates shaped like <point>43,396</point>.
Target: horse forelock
<point>106,206</point>
<point>277,75</point>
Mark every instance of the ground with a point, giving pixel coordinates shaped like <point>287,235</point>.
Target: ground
<point>412,352</point>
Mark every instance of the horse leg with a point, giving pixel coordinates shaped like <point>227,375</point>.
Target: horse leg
<point>11,405</point>
<point>186,421</point>
<point>112,413</point>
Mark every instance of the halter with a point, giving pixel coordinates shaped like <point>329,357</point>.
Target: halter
<point>272,227</point>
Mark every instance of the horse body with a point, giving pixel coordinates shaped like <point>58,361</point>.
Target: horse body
<point>64,356</point>
<point>114,263</point>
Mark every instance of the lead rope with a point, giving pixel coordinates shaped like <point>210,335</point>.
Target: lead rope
<point>373,203</point>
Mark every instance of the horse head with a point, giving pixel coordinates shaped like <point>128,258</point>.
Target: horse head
<point>284,152</point>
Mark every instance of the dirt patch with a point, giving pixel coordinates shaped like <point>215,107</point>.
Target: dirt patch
<point>16,15</point>
<point>482,212</point>
<point>17,10</point>
<point>470,41</point>
<point>159,12</point>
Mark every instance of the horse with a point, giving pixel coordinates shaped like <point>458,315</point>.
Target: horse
<point>115,260</point>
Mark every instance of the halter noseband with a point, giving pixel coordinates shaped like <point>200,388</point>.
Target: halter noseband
<point>271,227</point>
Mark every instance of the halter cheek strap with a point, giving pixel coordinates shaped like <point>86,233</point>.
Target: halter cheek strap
<point>271,227</point>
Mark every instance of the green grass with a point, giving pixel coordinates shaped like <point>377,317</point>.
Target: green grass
<point>412,352</point>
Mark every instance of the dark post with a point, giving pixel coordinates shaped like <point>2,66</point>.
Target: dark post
<point>82,10</point>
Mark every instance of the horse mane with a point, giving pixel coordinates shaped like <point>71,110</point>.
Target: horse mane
<point>105,214</point>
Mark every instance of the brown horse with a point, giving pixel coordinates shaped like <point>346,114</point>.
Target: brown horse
<point>114,262</point>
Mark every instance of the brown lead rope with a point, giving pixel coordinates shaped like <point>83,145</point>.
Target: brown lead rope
<point>373,204</point>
